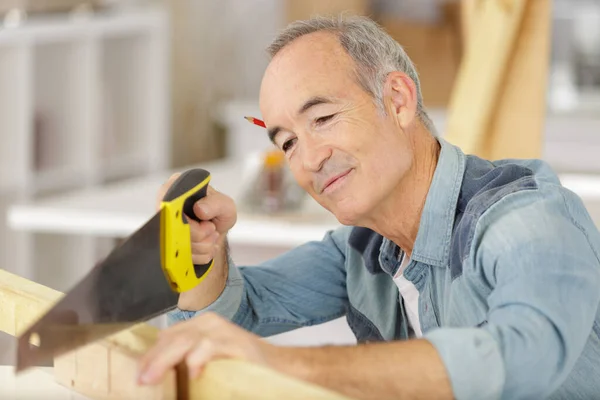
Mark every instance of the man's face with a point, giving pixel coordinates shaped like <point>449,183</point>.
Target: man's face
<point>341,148</point>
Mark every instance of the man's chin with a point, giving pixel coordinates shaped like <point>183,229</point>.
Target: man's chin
<point>347,217</point>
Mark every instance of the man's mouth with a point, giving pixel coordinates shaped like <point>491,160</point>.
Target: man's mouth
<point>334,179</point>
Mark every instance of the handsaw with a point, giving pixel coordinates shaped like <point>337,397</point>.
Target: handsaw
<point>138,280</point>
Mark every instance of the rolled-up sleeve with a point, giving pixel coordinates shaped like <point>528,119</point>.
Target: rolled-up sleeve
<point>542,264</point>
<point>302,287</point>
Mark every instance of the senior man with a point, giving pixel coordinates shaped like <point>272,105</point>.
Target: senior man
<point>460,277</point>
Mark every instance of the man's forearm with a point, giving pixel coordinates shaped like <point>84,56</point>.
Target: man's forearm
<point>410,369</point>
<point>213,284</point>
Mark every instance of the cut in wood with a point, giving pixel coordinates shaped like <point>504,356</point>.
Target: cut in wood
<point>107,369</point>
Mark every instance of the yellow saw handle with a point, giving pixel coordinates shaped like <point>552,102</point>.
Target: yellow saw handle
<point>175,240</point>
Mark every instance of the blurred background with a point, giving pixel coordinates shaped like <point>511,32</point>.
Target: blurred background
<point>100,100</point>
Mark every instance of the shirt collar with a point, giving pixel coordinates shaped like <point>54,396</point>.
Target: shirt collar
<point>432,245</point>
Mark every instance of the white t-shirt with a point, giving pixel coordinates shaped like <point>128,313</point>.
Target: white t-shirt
<point>410,294</point>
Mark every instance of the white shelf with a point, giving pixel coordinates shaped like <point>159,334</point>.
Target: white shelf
<point>58,179</point>
<point>125,91</point>
<point>118,209</point>
<point>124,166</point>
<point>60,27</point>
<point>15,98</point>
<point>83,101</point>
<point>58,101</point>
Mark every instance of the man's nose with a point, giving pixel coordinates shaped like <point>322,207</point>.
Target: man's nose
<point>314,156</point>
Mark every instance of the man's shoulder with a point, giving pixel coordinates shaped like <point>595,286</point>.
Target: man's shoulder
<point>485,183</point>
<point>522,201</point>
<point>506,203</point>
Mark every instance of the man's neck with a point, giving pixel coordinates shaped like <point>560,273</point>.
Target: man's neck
<point>398,217</point>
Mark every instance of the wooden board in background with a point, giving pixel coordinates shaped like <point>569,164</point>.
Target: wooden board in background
<point>498,103</point>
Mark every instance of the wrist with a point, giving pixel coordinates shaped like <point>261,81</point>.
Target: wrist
<point>213,285</point>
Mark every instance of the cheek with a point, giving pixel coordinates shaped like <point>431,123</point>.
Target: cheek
<point>300,175</point>
<point>384,162</point>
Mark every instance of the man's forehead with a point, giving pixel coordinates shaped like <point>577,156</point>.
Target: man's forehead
<point>312,65</point>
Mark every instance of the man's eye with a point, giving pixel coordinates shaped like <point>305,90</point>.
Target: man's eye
<point>322,120</point>
<point>288,145</point>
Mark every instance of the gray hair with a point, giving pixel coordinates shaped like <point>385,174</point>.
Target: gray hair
<point>375,53</point>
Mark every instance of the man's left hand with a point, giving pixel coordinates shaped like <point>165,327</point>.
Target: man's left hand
<point>197,341</point>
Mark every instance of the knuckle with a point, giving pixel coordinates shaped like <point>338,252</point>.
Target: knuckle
<point>182,340</point>
<point>206,343</point>
<point>207,227</point>
<point>211,316</point>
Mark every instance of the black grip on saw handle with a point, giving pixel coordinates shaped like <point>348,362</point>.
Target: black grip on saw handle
<point>184,183</point>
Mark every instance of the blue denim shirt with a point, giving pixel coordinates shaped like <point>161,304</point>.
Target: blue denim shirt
<point>507,268</point>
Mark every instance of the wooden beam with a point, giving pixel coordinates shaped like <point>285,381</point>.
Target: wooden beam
<point>517,125</point>
<point>103,370</point>
<point>467,11</point>
<point>488,49</point>
<point>22,302</point>
<point>107,369</point>
<point>499,99</point>
<point>234,379</point>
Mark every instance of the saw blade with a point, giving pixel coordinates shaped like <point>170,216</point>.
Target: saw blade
<point>126,288</point>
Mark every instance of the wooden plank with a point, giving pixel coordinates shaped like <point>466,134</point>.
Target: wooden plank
<point>107,369</point>
<point>482,69</point>
<point>102,370</point>
<point>22,302</point>
<point>233,379</point>
<point>517,125</point>
<point>467,12</point>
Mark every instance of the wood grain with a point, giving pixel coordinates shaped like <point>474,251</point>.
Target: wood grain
<point>498,105</point>
<point>493,32</point>
<point>517,125</point>
<point>236,380</point>
<point>107,369</point>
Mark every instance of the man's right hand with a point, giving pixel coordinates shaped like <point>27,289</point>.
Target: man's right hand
<point>218,215</point>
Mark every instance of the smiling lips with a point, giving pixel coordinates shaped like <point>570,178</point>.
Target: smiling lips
<point>334,179</point>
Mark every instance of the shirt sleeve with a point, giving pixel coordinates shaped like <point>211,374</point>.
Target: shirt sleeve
<point>302,287</point>
<point>541,260</point>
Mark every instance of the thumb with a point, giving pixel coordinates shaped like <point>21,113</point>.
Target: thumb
<point>211,206</point>
<point>203,210</point>
<point>218,208</point>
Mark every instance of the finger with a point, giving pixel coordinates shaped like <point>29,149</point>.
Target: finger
<point>199,231</point>
<point>214,205</point>
<point>202,259</point>
<point>207,245</point>
<point>199,356</point>
<point>165,188</point>
<point>164,356</point>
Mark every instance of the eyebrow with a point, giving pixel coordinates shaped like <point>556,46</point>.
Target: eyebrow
<point>273,132</point>
<point>313,101</point>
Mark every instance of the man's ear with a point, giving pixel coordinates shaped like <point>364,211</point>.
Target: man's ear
<point>400,97</point>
